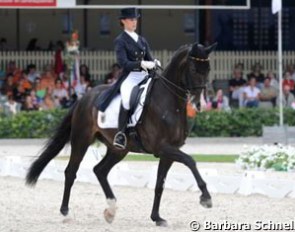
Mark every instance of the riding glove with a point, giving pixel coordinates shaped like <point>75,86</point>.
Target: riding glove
<point>147,65</point>
<point>157,62</point>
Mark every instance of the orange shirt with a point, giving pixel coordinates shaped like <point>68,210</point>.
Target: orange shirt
<point>16,76</point>
<point>47,81</point>
<point>26,84</point>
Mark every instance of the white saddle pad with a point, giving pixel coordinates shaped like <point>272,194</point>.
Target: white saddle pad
<point>109,118</point>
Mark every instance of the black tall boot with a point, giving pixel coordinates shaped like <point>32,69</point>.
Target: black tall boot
<point>120,140</point>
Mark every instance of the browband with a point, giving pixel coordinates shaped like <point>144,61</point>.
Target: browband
<point>199,59</point>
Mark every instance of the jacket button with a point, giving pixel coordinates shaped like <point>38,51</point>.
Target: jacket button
<point>135,53</point>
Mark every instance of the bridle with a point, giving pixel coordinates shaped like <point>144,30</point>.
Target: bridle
<point>187,91</point>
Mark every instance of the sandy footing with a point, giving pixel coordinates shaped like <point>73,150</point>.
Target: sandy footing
<point>36,209</point>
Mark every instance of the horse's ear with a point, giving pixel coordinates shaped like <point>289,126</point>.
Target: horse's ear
<point>194,49</point>
<point>211,48</point>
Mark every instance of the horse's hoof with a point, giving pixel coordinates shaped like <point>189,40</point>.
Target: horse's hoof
<point>109,215</point>
<point>162,223</point>
<point>64,211</point>
<point>206,203</point>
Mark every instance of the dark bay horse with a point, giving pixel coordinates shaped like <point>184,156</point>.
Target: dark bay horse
<point>163,130</point>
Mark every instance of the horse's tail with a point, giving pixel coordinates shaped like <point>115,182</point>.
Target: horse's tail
<point>52,148</point>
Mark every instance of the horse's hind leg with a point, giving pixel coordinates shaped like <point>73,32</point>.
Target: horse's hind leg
<point>179,156</point>
<point>79,147</point>
<point>163,168</point>
<point>101,171</point>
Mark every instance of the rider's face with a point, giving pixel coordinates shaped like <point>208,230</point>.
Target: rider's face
<point>129,24</point>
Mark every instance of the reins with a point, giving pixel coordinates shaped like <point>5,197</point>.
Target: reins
<point>186,92</point>
<point>167,82</point>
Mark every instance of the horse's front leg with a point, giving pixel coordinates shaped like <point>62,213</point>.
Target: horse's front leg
<point>163,168</point>
<point>176,155</point>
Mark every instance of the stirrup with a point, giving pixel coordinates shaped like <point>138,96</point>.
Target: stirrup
<point>119,145</point>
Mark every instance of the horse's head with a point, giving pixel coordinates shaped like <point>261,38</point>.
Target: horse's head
<point>197,69</point>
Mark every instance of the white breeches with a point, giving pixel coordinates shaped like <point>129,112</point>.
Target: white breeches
<point>133,79</point>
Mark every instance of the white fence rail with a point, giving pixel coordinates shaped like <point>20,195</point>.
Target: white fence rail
<point>99,62</point>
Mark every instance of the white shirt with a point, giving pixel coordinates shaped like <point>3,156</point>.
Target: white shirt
<point>133,35</point>
<point>251,92</point>
<point>12,107</point>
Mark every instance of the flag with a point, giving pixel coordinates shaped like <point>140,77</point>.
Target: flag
<point>276,6</point>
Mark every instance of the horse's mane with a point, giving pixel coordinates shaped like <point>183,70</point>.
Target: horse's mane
<point>177,59</point>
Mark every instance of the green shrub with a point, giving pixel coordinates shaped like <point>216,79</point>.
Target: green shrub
<point>33,124</point>
<point>243,122</point>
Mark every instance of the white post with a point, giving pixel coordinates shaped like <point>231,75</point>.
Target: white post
<point>280,63</point>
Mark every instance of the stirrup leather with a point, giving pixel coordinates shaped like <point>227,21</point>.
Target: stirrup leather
<point>120,144</point>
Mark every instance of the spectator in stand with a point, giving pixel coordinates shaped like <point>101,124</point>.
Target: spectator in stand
<point>48,78</point>
<point>14,71</point>
<point>80,88</point>
<point>24,80</point>
<point>11,107</point>
<point>290,69</point>
<point>34,99</point>
<point>236,86</point>
<point>251,94</point>
<point>39,91</point>
<point>60,95</point>
<point>9,86</point>
<point>84,71</point>
<point>32,73</point>
<point>48,102</point>
<point>29,104</point>
<point>267,95</point>
<point>257,73</point>
<point>273,80</point>
<point>219,102</point>
<point>288,81</point>
<point>19,93</point>
<point>288,99</point>
<point>114,74</point>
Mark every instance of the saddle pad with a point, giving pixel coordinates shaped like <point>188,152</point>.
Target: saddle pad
<point>109,118</point>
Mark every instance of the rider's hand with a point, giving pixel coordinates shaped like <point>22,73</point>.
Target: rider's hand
<point>157,62</point>
<point>147,65</point>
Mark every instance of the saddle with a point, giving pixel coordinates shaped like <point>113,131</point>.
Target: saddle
<point>109,118</point>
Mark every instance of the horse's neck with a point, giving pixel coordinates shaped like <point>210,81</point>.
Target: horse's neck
<point>169,110</point>
<point>165,93</point>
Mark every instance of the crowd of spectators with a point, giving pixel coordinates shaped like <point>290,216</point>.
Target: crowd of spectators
<point>254,89</point>
<point>30,89</point>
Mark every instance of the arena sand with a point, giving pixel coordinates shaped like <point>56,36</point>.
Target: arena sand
<point>24,209</point>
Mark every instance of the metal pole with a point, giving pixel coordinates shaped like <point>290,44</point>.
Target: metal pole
<point>197,28</point>
<point>17,29</point>
<point>280,63</point>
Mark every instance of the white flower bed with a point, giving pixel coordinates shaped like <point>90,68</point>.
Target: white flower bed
<point>276,157</point>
